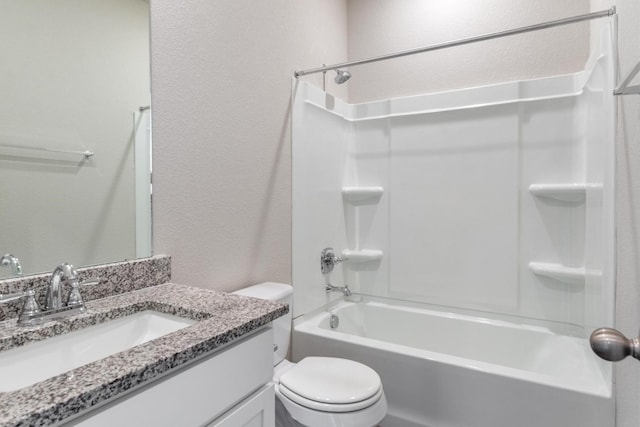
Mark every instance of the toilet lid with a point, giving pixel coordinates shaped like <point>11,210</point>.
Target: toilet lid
<point>332,381</point>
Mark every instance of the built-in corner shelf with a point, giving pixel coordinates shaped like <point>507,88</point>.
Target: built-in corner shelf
<point>573,192</point>
<point>357,256</point>
<point>572,275</point>
<point>362,195</point>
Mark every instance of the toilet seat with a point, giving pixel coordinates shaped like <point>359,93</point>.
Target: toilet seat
<point>331,385</point>
<point>329,407</point>
<point>367,417</point>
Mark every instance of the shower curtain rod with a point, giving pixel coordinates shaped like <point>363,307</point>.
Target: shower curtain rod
<point>489,36</point>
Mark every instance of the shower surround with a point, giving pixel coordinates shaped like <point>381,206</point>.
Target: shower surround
<point>494,202</point>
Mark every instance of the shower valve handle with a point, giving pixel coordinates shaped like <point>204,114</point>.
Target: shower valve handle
<point>328,260</point>
<point>612,345</point>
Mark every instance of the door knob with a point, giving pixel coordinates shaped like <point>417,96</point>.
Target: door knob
<point>613,346</point>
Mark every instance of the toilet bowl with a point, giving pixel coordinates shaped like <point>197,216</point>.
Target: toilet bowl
<point>318,391</point>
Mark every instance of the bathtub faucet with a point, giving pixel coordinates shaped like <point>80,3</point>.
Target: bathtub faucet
<point>328,260</point>
<point>344,289</point>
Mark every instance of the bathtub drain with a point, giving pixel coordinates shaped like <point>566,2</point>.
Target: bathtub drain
<point>334,321</point>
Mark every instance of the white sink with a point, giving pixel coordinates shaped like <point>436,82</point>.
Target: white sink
<point>37,361</point>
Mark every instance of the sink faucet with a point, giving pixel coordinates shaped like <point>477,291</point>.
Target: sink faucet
<point>62,273</point>
<point>31,314</point>
<point>344,289</point>
<point>14,262</point>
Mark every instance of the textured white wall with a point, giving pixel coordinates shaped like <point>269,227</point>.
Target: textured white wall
<point>221,85</point>
<point>396,25</point>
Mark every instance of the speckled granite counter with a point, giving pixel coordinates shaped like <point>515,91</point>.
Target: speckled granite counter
<point>222,318</point>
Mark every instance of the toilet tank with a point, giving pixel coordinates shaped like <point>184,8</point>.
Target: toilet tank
<point>279,292</point>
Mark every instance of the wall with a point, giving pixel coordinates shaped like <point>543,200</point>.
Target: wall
<point>73,74</point>
<point>321,147</point>
<point>628,210</point>
<point>221,85</point>
<point>222,205</point>
<point>221,202</point>
<point>396,25</point>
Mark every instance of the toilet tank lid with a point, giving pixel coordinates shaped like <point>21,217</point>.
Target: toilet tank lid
<point>268,291</point>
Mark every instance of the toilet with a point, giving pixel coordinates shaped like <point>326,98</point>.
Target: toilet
<point>318,391</point>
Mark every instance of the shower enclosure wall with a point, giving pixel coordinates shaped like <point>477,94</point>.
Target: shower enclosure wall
<point>494,203</point>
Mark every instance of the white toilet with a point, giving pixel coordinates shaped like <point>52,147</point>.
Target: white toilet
<point>318,391</point>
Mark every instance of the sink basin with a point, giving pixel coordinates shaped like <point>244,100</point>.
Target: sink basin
<point>37,361</point>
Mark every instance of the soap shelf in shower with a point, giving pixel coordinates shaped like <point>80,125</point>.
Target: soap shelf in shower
<point>573,192</point>
<point>357,256</point>
<point>572,275</point>
<point>362,195</point>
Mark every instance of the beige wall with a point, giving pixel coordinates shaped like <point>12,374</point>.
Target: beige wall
<point>396,25</point>
<point>221,87</point>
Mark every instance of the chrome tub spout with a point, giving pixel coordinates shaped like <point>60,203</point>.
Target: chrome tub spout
<point>343,289</point>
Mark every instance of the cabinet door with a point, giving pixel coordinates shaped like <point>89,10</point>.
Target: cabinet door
<point>256,411</point>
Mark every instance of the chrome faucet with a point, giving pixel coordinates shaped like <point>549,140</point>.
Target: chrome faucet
<point>63,273</point>
<point>14,262</point>
<point>344,289</point>
<point>31,314</point>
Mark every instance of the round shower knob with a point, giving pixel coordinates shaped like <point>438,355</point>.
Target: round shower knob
<point>613,346</point>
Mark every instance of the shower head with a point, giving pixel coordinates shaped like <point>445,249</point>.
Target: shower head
<point>342,76</point>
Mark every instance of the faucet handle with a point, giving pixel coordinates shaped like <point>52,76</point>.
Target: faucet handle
<point>92,282</point>
<point>30,309</point>
<point>30,304</point>
<point>328,260</point>
<point>75,298</point>
<point>12,296</point>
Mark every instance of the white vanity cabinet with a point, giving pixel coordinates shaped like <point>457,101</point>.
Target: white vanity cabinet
<point>255,411</point>
<point>229,387</point>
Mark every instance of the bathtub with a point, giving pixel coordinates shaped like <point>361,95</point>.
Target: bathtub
<point>442,369</point>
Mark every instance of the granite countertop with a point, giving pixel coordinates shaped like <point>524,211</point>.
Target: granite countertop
<point>222,318</point>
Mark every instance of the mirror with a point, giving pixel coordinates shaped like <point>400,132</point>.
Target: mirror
<point>74,140</point>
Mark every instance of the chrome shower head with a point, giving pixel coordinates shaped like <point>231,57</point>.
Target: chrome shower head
<point>342,76</point>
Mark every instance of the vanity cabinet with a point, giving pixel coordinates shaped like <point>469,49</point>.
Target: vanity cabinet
<point>229,387</point>
<point>257,410</point>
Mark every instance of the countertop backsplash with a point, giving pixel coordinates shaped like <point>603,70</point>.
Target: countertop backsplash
<point>114,278</point>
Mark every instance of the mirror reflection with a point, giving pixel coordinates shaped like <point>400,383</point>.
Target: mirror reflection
<point>74,133</point>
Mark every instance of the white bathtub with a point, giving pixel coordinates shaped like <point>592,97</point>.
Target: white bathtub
<point>450,370</point>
